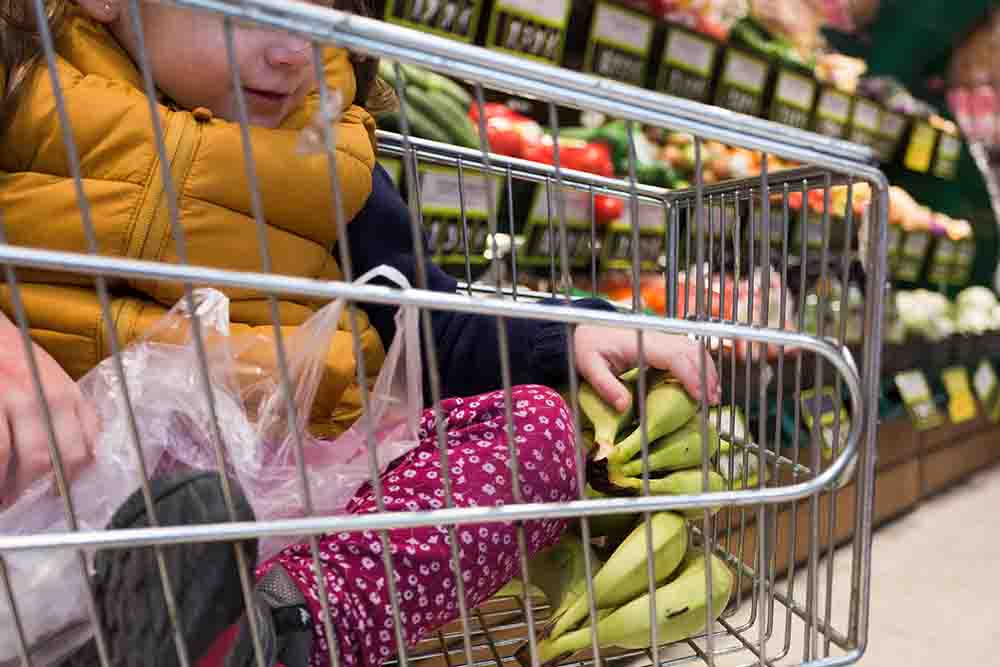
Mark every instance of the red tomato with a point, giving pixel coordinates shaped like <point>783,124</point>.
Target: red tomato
<point>538,151</point>
<point>795,201</point>
<point>713,29</point>
<point>608,209</point>
<point>660,8</point>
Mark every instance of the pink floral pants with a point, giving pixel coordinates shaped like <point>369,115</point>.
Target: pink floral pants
<point>480,476</point>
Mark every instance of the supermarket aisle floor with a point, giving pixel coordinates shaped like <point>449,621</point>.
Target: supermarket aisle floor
<point>935,583</point>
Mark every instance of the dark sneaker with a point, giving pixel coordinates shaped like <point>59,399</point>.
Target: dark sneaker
<point>206,587</point>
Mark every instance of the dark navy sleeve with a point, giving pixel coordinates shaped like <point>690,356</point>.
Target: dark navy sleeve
<point>466,344</point>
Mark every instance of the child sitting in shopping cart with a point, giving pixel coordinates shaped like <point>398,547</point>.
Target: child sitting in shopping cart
<point>102,94</point>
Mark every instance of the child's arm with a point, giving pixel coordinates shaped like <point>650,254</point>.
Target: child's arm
<point>24,440</point>
<point>467,345</point>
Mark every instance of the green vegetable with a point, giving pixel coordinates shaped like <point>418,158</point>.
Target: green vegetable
<point>658,174</point>
<point>418,100</point>
<point>455,120</point>
<point>431,81</point>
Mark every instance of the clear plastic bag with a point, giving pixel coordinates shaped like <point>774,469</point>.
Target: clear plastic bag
<point>173,419</point>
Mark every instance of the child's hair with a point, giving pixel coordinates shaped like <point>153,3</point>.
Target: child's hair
<point>21,47</point>
<point>21,51</point>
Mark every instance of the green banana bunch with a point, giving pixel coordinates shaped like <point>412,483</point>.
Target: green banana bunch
<point>608,530</point>
<point>607,421</point>
<point>681,449</point>
<point>680,483</point>
<point>680,613</point>
<point>625,575</point>
<point>734,456</point>
<point>668,407</point>
<point>561,572</point>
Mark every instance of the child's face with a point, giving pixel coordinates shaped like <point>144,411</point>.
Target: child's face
<point>187,53</point>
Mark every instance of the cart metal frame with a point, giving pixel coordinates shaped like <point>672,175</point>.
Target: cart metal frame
<point>747,632</point>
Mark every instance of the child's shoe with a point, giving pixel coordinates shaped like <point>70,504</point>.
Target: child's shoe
<point>206,587</point>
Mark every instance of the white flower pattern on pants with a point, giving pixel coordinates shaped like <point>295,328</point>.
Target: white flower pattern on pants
<point>479,463</point>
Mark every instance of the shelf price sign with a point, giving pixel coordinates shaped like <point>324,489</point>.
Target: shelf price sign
<point>821,408</point>
<point>918,400</point>
<point>450,238</point>
<point>865,122</point>
<point>943,261</point>
<point>688,62</point>
<point>833,113</point>
<point>793,100</point>
<point>890,131</point>
<point>961,403</point>
<point>920,151</point>
<point>532,28</point>
<point>617,251</point>
<point>949,151</point>
<point>894,235</point>
<point>543,238</point>
<point>458,19</point>
<point>741,85</point>
<point>619,45</point>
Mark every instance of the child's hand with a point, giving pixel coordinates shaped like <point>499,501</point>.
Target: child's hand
<point>24,441</point>
<point>602,354</point>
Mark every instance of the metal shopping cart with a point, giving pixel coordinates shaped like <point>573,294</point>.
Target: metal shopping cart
<point>802,396</point>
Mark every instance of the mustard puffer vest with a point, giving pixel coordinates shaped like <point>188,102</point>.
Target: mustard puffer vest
<point>123,182</point>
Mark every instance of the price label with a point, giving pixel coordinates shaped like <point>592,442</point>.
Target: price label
<point>965,253</point>
<point>542,247</point>
<point>688,62</point>
<point>741,85</point>
<point>619,44</point>
<point>618,248</point>
<point>920,150</point>
<point>945,251</point>
<point>793,99</point>
<point>961,404</point>
<point>866,115</point>
<point>865,122</point>
<point>458,19</point>
<point>891,126</point>
<point>916,244</point>
<point>532,28</point>
<point>832,113</point>
<point>453,238</point>
<point>894,236</point>
<point>948,153</point>
<point>918,399</point>
<point>908,270</point>
<point>985,383</point>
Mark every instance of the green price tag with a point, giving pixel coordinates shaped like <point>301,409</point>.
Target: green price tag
<point>890,131</point>
<point>453,238</point>
<point>542,246</point>
<point>742,82</point>
<point>918,400</point>
<point>532,28</point>
<point>617,251</point>
<point>908,269</point>
<point>458,19</point>
<point>945,251</point>
<point>916,245</point>
<point>985,384</point>
<point>894,235</point>
<point>794,95</point>
<point>833,112</point>
<point>948,153</point>
<point>865,122</point>
<point>688,63</point>
<point>920,151</point>
<point>820,408</point>
<point>961,403</point>
<point>620,40</point>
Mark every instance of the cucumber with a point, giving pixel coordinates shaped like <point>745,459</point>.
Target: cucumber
<point>387,72</point>
<point>453,119</point>
<point>420,125</point>
<point>428,80</point>
<point>419,100</point>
